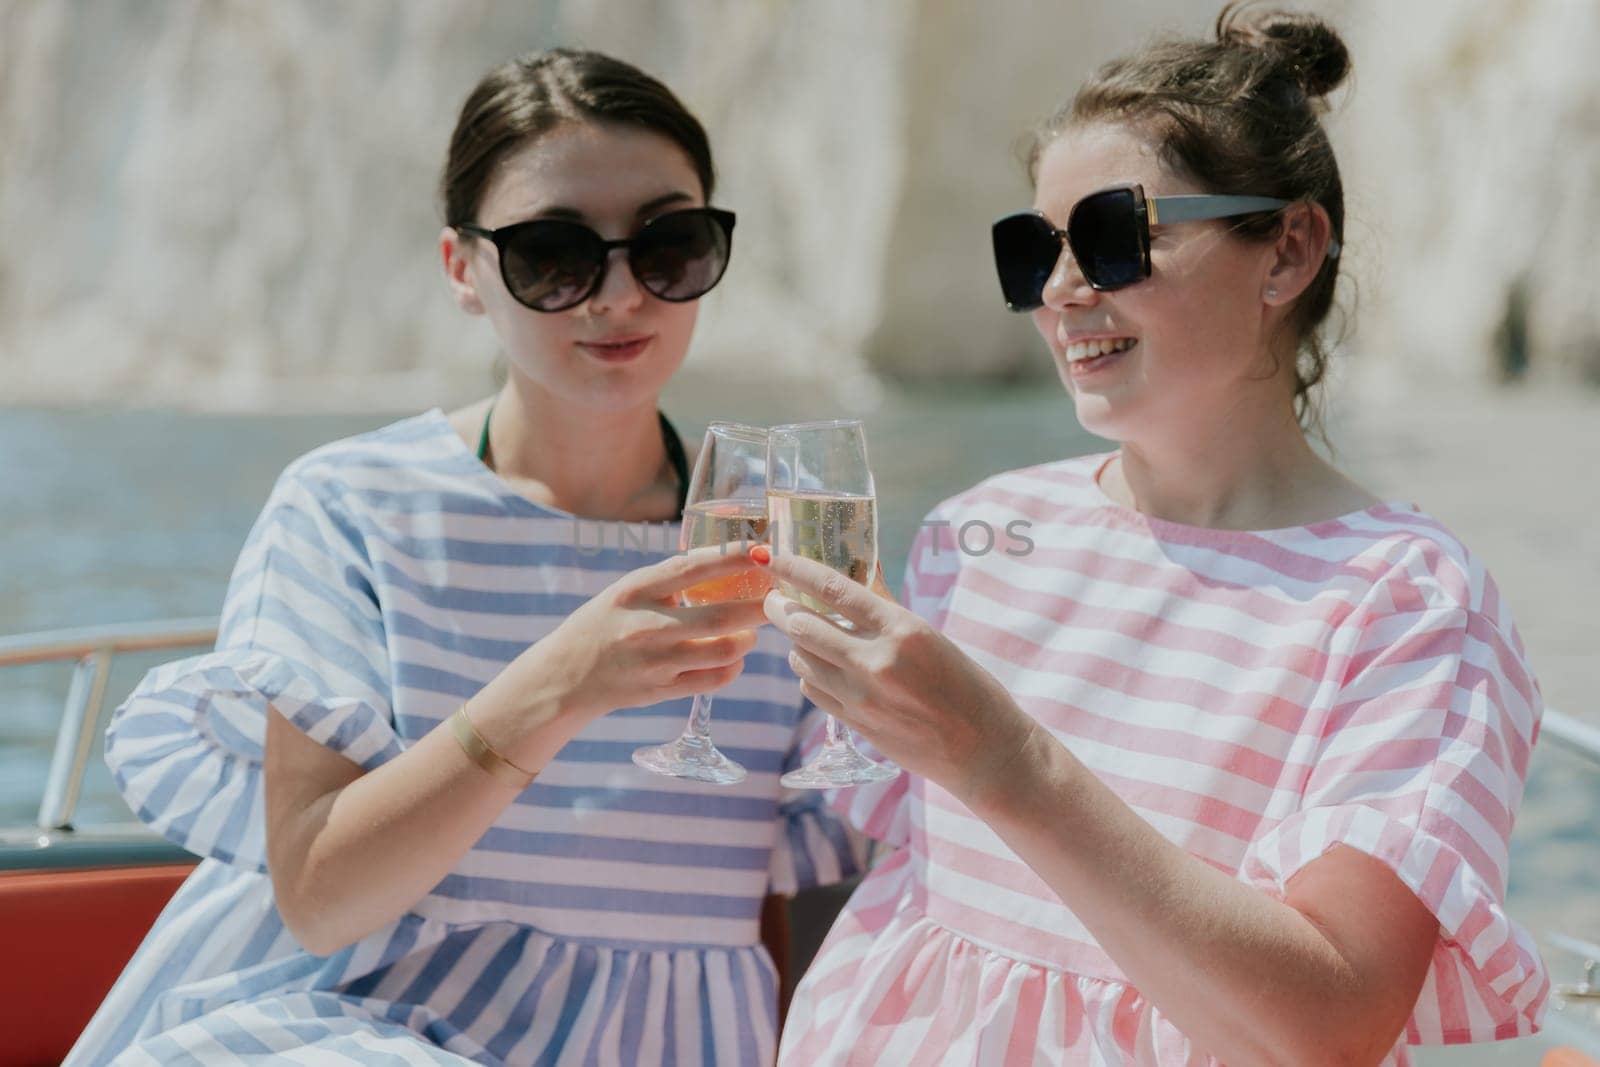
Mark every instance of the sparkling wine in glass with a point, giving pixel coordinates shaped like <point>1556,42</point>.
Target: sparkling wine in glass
<point>726,506</point>
<point>822,505</point>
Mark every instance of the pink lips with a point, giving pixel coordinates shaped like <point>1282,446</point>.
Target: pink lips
<point>618,349</point>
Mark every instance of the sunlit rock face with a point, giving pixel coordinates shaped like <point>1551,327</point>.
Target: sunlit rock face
<point>1472,140</point>
<point>234,206</point>
<point>231,204</point>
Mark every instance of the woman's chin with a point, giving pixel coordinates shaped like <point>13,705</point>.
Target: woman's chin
<point>626,389</point>
<point>602,397</point>
<point>1100,416</point>
<point>600,388</point>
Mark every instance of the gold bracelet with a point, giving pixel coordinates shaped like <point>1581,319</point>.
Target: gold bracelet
<point>483,754</point>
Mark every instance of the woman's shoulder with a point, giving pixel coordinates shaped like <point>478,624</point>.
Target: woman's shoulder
<point>1383,549</point>
<point>997,513</point>
<point>1043,487</point>
<point>1417,561</point>
<point>410,445</point>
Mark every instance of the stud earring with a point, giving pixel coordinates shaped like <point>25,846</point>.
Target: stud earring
<point>1272,294</point>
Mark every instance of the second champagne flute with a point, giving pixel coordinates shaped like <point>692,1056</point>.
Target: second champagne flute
<point>727,506</point>
<point>823,506</point>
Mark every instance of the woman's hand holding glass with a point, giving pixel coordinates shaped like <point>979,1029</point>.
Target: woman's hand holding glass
<point>904,686</point>
<point>634,644</point>
<point>726,509</point>
<point>823,507</point>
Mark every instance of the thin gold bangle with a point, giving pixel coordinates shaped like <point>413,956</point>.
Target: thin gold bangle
<point>483,754</point>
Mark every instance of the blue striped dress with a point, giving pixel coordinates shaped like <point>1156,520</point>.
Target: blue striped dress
<point>608,916</point>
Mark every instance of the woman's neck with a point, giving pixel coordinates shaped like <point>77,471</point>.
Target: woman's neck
<point>597,463</point>
<point>1236,474</point>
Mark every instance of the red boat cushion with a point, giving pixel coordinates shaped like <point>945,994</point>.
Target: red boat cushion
<point>67,935</point>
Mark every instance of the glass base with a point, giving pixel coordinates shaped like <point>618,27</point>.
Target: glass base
<point>692,758</point>
<point>836,766</point>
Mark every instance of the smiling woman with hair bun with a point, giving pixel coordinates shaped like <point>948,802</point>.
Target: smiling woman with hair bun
<point>1223,770</point>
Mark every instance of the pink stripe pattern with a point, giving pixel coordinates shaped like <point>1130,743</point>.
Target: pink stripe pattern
<point>1259,697</point>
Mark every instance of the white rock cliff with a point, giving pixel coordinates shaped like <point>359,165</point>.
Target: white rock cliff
<point>231,205</point>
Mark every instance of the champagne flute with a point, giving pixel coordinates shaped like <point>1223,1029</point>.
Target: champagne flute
<point>822,505</point>
<point>726,505</point>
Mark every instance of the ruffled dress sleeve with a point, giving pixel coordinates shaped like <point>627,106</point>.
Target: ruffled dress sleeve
<point>1421,764</point>
<point>302,633</point>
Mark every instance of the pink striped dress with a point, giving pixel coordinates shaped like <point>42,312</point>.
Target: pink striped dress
<point>1258,697</point>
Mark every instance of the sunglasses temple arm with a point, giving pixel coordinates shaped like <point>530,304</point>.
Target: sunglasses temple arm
<point>1167,209</point>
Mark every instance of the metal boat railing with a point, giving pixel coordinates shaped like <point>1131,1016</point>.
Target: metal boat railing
<point>93,648</point>
<point>1574,735</point>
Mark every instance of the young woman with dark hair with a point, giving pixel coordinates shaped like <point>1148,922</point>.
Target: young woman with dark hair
<point>407,763</point>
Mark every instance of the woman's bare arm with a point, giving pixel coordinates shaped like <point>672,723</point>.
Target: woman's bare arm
<point>350,851</point>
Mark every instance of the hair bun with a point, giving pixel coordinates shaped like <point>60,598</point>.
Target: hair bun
<point>1311,51</point>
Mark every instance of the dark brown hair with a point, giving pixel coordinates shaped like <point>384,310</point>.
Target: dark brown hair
<point>1241,115</point>
<point>531,95</point>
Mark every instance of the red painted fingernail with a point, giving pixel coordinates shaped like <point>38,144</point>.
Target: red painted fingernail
<point>761,554</point>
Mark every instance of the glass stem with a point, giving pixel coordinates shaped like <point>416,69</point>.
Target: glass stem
<point>699,726</point>
<point>834,735</point>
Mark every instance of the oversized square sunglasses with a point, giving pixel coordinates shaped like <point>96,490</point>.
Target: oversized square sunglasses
<point>556,264</point>
<point>1109,234</point>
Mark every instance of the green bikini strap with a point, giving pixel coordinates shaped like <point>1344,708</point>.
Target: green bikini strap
<point>483,438</point>
<point>680,462</point>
